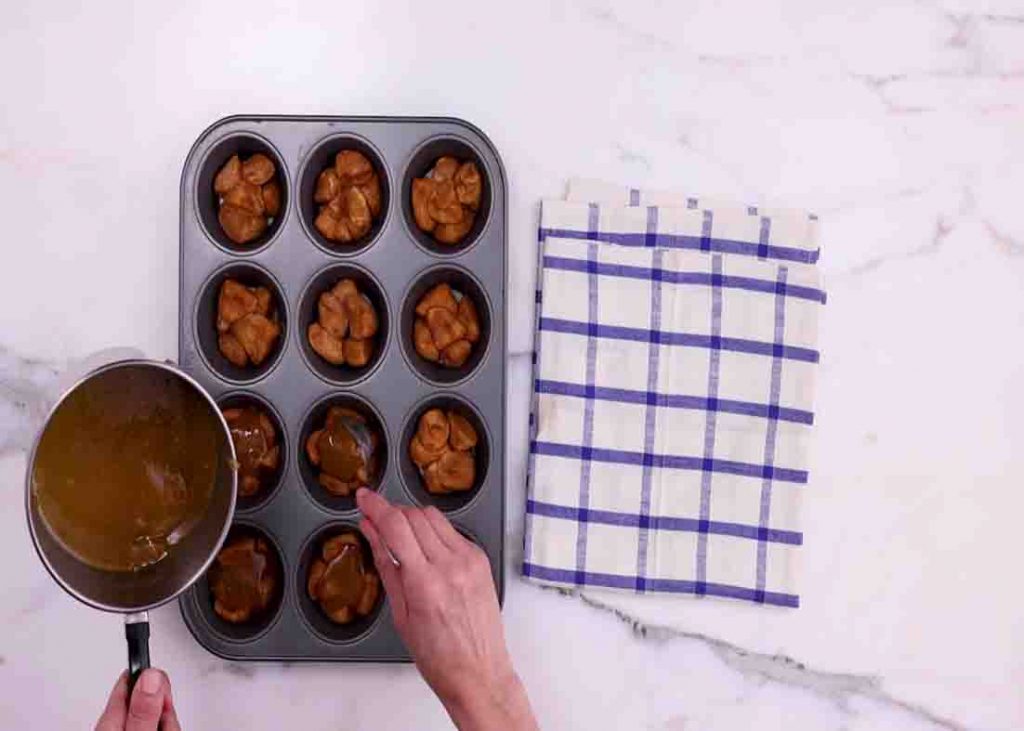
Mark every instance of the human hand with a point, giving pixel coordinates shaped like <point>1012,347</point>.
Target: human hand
<point>446,610</point>
<point>152,706</point>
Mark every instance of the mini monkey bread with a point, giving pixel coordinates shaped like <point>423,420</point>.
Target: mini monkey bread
<point>248,196</point>
<point>247,324</point>
<point>342,579</point>
<point>345,451</point>
<point>256,447</point>
<point>244,579</point>
<point>443,450</point>
<point>349,195</point>
<point>446,328</point>
<point>445,202</point>
<point>346,325</point>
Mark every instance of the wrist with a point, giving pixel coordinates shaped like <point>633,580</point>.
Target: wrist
<point>500,704</point>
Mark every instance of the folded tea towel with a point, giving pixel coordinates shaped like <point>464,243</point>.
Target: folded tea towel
<point>675,356</point>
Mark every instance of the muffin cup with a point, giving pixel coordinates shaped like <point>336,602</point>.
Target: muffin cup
<point>271,481</point>
<point>310,610</point>
<point>412,479</point>
<point>467,285</point>
<point>313,420</point>
<point>207,201</point>
<point>255,627</point>
<point>342,375</point>
<point>250,275</point>
<point>319,159</point>
<point>421,163</point>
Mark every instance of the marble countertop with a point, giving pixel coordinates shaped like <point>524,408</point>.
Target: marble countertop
<point>900,123</point>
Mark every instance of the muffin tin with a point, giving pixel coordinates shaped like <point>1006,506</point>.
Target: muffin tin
<point>394,265</point>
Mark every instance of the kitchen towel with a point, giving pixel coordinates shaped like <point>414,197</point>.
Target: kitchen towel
<point>676,352</point>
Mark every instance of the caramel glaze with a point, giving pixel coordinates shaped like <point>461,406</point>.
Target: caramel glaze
<point>346,447</point>
<point>341,579</point>
<point>243,579</point>
<point>126,468</point>
<point>254,438</point>
<point>342,583</point>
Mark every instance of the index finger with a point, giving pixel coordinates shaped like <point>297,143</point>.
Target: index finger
<point>393,528</point>
<point>116,712</point>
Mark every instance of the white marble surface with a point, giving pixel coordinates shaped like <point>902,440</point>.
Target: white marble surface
<point>902,124</point>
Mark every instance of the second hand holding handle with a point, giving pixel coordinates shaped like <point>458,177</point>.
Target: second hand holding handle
<point>136,632</point>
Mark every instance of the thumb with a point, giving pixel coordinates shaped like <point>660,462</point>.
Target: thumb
<point>147,702</point>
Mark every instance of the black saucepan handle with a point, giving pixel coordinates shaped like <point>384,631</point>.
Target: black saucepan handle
<point>136,632</point>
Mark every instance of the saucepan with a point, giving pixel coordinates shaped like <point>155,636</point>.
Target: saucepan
<point>134,593</point>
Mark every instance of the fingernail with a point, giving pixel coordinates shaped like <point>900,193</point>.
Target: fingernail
<point>151,681</point>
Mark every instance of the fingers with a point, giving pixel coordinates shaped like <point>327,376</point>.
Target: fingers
<point>393,528</point>
<point>429,541</point>
<point>149,708</point>
<point>169,715</point>
<point>444,529</point>
<point>147,703</point>
<point>169,721</point>
<point>373,505</point>
<point>114,715</point>
<point>387,570</point>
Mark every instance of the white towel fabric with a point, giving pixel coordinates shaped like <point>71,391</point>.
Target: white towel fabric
<point>673,398</point>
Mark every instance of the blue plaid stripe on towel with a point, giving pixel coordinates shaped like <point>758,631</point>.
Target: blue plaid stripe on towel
<point>673,396</point>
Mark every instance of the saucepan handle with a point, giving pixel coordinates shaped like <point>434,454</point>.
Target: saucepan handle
<point>136,632</point>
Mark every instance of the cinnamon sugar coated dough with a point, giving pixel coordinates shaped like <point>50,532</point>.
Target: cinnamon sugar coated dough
<point>346,324</point>
<point>247,323</point>
<point>446,200</point>
<point>342,579</point>
<point>446,327</point>
<point>349,195</point>
<point>248,197</point>
<point>443,448</point>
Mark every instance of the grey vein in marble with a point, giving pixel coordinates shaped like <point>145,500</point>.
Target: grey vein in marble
<point>731,169</point>
<point>964,41</point>
<point>1004,19</point>
<point>837,688</point>
<point>1003,241</point>
<point>942,230</point>
<point>632,157</point>
<point>965,38</point>
<point>26,390</point>
<point>240,670</point>
<point>880,87</point>
<point>608,17</point>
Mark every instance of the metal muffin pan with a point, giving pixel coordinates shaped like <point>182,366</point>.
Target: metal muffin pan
<point>394,266</point>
